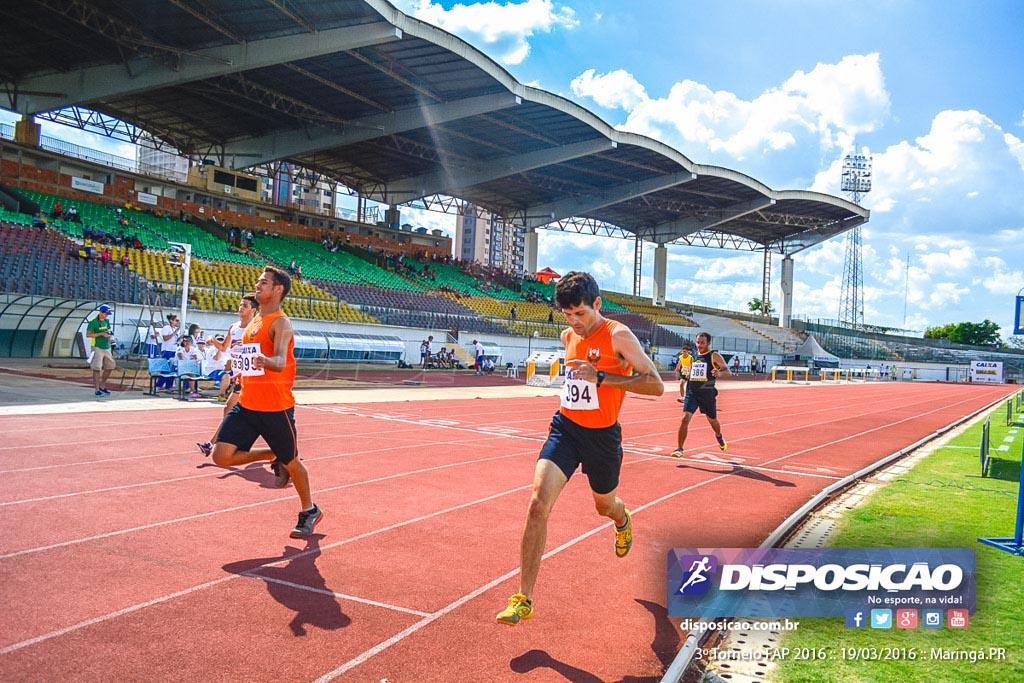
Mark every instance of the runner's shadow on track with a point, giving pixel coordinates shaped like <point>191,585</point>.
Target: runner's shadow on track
<point>256,472</point>
<point>294,581</point>
<point>664,645</point>
<point>742,472</point>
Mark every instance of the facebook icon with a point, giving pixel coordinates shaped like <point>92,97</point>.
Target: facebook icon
<point>856,618</point>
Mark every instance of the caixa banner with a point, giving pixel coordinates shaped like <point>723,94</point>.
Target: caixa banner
<point>816,582</point>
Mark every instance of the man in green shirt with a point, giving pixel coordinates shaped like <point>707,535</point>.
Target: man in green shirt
<point>102,361</point>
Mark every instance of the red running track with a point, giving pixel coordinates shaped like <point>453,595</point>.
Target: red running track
<point>125,556</point>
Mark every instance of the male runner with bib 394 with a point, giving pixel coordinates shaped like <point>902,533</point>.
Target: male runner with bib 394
<point>266,406</point>
<point>603,361</point>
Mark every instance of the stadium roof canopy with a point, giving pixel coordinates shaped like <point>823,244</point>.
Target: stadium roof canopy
<point>388,105</point>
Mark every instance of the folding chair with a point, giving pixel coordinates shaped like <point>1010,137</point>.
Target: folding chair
<point>188,371</point>
<point>159,368</point>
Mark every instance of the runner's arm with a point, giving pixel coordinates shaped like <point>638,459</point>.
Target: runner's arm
<point>720,365</point>
<point>281,332</point>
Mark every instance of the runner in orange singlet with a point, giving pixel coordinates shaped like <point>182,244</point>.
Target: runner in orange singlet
<point>266,406</point>
<point>603,360</point>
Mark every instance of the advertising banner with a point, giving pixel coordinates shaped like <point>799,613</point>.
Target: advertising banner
<point>986,371</point>
<point>86,185</point>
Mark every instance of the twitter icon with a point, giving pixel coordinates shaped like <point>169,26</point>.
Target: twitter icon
<point>881,618</point>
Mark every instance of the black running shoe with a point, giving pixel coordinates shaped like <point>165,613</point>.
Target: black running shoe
<point>307,522</point>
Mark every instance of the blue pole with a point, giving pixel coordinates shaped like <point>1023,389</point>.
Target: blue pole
<point>1020,504</point>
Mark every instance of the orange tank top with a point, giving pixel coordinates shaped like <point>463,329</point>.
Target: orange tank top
<point>271,391</point>
<point>597,350</point>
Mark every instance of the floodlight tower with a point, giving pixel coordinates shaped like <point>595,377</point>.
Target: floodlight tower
<point>856,184</point>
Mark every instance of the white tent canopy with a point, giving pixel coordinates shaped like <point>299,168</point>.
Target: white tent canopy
<point>811,350</point>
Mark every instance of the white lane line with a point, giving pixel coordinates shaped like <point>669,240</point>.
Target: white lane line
<point>340,596</point>
<point>450,607</point>
<point>279,499</point>
<point>208,584</point>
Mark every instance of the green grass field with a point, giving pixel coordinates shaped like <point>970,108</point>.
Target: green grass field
<point>942,502</point>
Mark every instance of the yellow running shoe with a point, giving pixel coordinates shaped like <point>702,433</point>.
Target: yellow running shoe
<point>677,453</point>
<point>519,608</point>
<point>624,537</point>
<point>721,442</point>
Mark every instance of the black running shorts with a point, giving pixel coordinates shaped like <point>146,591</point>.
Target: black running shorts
<point>241,427</point>
<point>704,399</point>
<point>599,451</point>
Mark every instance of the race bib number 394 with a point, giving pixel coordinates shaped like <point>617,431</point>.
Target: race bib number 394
<point>246,356</point>
<point>579,394</point>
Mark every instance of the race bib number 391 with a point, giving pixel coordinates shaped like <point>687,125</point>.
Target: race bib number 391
<point>246,356</point>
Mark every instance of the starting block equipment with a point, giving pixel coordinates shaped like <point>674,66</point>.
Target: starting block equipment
<point>791,374</point>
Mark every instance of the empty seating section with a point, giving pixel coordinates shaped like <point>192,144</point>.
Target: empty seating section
<point>44,262</point>
<point>659,314</point>
<point>365,295</point>
<point>783,336</point>
<point>646,329</point>
<point>153,231</point>
<point>454,278</point>
<point>339,266</point>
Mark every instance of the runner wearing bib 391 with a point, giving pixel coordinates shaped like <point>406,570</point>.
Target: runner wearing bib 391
<point>603,361</point>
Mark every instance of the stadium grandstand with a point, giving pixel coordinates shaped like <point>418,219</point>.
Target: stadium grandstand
<point>410,116</point>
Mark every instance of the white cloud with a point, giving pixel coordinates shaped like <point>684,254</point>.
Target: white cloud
<point>614,90</point>
<point>823,108</point>
<point>504,29</point>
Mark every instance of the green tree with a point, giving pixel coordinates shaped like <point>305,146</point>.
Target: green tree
<point>976,334</point>
<point>755,306</point>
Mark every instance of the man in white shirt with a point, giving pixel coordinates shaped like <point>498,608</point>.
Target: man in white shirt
<point>188,352</point>
<point>168,337</point>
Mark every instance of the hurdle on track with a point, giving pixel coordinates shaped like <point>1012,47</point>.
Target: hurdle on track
<point>552,377</point>
<point>864,375</point>
<point>834,375</point>
<point>791,374</point>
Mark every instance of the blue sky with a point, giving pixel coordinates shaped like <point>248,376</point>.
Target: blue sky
<point>783,91</point>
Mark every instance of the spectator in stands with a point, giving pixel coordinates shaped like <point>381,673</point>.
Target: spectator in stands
<point>152,341</point>
<point>514,312</point>
<point>100,331</point>
<point>196,332</point>
<point>478,353</point>
<point>551,317</point>
<point>58,210</point>
<point>604,360</point>
<point>291,267</point>
<point>169,336</point>
<point>188,352</point>
<point>425,357</point>
<point>701,393</point>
